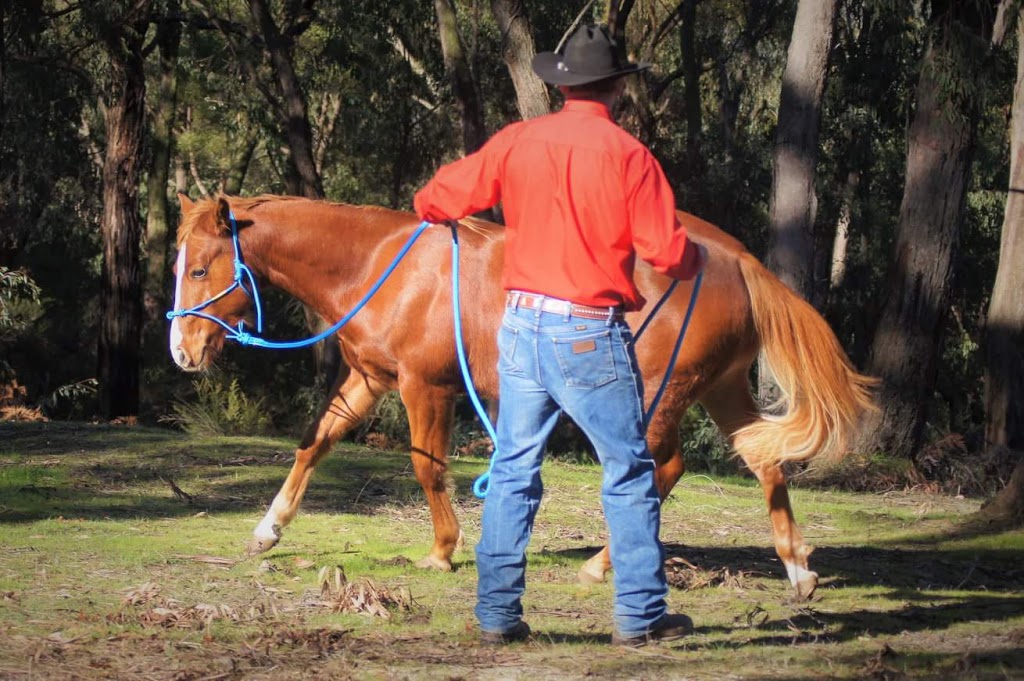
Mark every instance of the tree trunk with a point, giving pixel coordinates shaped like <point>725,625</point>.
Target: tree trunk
<point>121,278</point>
<point>1004,357</point>
<point>793,200</point>
<point>161,134</point>
<point>474,132</point>
<point>1004,334</point>
<point>518,50</point>
<point>691,82</point>
<point>299,134</point>
<point>240,162</point>
<point>939,150</point>
<point>296,117</point>
<point>841,241</point>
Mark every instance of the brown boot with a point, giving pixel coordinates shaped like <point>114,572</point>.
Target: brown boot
<point>520,632</point>
<point>668,628</point>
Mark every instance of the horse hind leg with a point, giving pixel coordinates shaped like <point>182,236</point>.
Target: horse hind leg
<point>431,413</point>
<point>352,399</point>
<point>732,407</point>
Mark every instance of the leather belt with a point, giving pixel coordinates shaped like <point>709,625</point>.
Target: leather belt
<point>532,301</point>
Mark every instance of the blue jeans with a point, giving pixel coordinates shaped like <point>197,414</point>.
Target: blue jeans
<point>549,363</point>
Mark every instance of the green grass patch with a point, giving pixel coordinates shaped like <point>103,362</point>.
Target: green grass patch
<point>122,556</point>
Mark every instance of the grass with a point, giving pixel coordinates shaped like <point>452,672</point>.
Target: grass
<point>121,556</point>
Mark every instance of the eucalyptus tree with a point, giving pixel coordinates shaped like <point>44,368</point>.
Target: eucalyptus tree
<point>460,73</point>
<point>120,34</point>
<point>794,202</point>
<point>518,50</point>
<point>1004,333</point>
<point>162,117</point>
<point>940,146</point>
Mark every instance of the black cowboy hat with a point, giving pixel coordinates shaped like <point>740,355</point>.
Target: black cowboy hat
<point>589,55</point>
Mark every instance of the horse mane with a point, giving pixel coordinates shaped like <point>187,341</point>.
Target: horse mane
<point>206,210</point>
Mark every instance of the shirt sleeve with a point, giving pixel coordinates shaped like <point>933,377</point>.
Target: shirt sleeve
<point>658,236</point>
<point>466,186</point>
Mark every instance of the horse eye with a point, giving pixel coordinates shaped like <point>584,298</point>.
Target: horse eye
<point>199,273</point>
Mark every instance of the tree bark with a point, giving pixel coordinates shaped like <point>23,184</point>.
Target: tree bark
<point>518,49</point>
<point>464,87</point>
<point>295,112</point>
<point>793,201</point>
<point>121,278</point>
<point>691,83</point>
<point>906,344</point>
<point>240,162</point>
<point>299,133</point>
<point>841,241</point>
<point>168,39</point>
<point>1004,333</point>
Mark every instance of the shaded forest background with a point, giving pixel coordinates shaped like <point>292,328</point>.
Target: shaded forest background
<point>865,150</point>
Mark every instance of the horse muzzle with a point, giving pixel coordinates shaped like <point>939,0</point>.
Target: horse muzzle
<point>185,359</point>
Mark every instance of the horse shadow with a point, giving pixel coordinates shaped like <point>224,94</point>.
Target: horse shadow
<point>936,588</point>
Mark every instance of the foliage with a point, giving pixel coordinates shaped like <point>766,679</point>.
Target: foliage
<point>382,114</point>
<point>220,408</point>
<point>387,426</point>
<point>704,447</point>
<point>17,292</point>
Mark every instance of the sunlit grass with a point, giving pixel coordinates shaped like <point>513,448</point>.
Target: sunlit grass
<point>90,518</point>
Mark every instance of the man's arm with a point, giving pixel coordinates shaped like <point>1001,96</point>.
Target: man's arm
<point>466,186</point>
<point>657,235</point>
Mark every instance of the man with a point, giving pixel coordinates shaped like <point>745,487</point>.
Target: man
<point>582,198</point>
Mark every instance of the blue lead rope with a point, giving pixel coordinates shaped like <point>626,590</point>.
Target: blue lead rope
<point>481,483</point>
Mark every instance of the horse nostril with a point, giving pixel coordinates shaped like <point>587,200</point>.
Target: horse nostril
<point>181,358</point>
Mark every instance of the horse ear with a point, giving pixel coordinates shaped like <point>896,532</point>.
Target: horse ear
<point>186,203</point>
<point>223,214</point>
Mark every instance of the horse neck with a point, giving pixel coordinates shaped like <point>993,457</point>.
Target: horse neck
<point>319,253</point>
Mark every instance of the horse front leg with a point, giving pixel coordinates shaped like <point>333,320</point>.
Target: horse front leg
<point>431,415</point>
<point>351,400</point>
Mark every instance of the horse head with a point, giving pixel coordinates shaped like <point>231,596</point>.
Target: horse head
<point>207,281</point>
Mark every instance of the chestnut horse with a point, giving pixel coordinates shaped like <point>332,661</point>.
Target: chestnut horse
<point>326,255</point>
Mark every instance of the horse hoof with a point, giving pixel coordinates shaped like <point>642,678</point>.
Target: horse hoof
<point>587,578</point>
<point>806,585</point>
<point>258,545</point>
<point>432,563</point>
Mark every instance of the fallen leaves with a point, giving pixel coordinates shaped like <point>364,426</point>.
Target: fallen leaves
<point>362,596</point>
<point>682,574</point>
<point>209,560</point>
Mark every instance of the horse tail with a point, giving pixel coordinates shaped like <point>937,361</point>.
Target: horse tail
<point>822,397</point>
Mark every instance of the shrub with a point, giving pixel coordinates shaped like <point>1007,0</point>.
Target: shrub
<point>220,409</point>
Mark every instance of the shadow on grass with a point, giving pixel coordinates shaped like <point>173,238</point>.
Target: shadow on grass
<point>92,471</point>
<point>908,570</point>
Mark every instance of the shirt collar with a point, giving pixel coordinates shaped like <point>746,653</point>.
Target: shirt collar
<point>586,106</point>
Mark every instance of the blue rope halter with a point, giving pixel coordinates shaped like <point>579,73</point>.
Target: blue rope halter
<point>241,270</point>
<point>242,274</point>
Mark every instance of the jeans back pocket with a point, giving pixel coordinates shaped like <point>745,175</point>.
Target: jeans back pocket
<point>586,360</point>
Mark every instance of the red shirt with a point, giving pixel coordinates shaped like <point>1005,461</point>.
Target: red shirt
<point>582,197</point>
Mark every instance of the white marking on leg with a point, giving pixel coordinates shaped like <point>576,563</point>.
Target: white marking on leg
<point>269,528</point>
<point>798,574</point>
<point>176,336</point>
